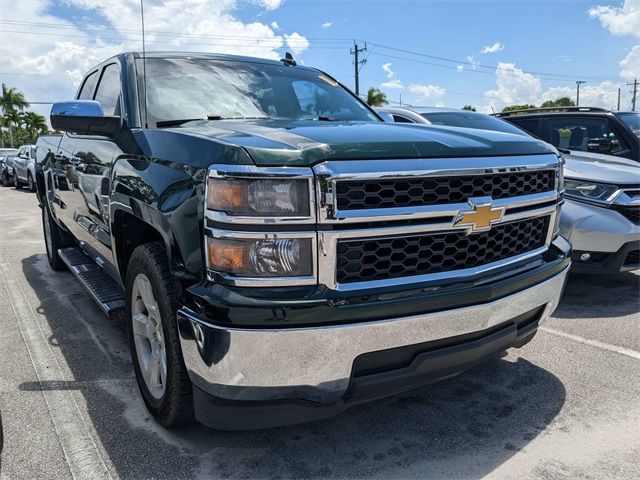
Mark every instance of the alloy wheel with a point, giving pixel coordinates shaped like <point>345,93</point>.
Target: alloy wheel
<point>148,336</point>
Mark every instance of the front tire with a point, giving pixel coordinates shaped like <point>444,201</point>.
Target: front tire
<point>152,302</point>
<point>54,239</point>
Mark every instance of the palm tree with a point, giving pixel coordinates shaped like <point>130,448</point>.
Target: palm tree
<point>376,98</point>
<point>12,102</point>
<point>14,118</point>
<point>3,123</point>
<point>35,124</point>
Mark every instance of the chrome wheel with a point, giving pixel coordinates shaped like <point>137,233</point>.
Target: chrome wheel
<point>148,336</point>
<point>47,232</point>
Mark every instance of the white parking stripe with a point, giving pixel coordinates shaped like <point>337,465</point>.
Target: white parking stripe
<point>593,343</point>
<point>80,450</point>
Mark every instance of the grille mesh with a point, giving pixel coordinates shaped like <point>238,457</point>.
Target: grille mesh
<point>357,195</point>
<point>393,257</point>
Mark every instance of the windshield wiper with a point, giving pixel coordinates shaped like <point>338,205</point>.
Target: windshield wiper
<point>175,123</point>
<point>180,121</point>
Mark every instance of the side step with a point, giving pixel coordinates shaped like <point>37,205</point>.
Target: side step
<point>101,286</point>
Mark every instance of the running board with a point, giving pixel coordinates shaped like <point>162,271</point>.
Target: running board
<point>104,290</point>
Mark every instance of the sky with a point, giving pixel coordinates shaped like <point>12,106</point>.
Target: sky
<point>420,52</point>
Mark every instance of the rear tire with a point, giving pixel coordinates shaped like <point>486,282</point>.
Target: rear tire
<point>31,183</point>
<point>152,302</point>
<point>54,239</point>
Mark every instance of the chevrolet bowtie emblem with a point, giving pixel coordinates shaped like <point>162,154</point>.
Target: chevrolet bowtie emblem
<point>483,215</point>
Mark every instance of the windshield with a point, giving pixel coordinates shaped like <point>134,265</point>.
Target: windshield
<point>197,88</point>
<point>632,120</point>
<point>471,120</point>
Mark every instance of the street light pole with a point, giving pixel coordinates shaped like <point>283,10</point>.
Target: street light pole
<point>578,83</point>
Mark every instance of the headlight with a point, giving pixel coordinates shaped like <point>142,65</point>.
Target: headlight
<point>261,197</point>
<point>264,257</point>
<point>586,190</point>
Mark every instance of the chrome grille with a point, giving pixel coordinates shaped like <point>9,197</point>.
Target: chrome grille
<point>357,195</point>
<point>409,255</point>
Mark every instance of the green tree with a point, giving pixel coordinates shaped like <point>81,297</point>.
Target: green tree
<point>376,98</point>
<point>35,125</point>
<point>512,108</point>
<point>560,102</point>
<point>471,108</point>
<point>12,102</point>
<point>14,119</point>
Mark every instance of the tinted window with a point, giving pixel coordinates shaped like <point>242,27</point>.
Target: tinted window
<point>528,124</point>
<point>401,119</point>
<point>108,93</point>
<point>87,87</point>
<point>582,133</point>
<point>471,120</point>
<point>632,120</point>
<point>193,88</point>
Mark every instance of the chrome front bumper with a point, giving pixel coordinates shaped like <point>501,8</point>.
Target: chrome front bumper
<point>316,363</point>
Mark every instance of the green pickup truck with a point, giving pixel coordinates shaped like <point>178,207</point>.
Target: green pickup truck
<point>277,251</point>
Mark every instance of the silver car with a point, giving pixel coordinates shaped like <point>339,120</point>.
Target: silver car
<point>601,214</point>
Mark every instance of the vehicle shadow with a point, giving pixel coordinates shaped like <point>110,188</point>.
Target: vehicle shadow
<point>600,296</point>
<point>463,427</point>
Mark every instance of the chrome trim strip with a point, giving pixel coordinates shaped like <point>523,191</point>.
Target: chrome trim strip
<point>315,363</point>
<point>434,211</point>
<point>228,279</point>
<point>329,173</point>
<point>254,172</point>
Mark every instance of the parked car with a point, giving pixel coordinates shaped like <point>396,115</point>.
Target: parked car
<point>449,117</point>
<point>601,214</point>
<point>586,129</point>
<point>278,252</point>
<point>4,175</point>
<point>24,164</point>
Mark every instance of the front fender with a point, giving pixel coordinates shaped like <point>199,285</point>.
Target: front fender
<point>167,196</point>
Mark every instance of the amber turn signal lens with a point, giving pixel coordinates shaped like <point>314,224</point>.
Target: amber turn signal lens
<point>227,195</point>
<point>226,255</point>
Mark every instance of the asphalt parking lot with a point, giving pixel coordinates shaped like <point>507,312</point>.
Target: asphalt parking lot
<point>567,405</point>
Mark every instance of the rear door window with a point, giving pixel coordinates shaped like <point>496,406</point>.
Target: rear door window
<point>581,133</point>
<point>401,119</point>
<point>86,91</point>
<point>108,92</point>
<point>528,124</point>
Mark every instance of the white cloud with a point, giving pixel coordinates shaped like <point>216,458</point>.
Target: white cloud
<point>630,65</point>
<point>60,62</point>
<point>495,48</point>
<point>275,25</point>
<point>513,86</point>
<point>327,25</point>
<point>472,61</point>
<point>393,82</point>
<point>460,68</point>
<point>269,4</point>
<point>426,92</point>
<point>623,20</point>
<point>297,43</point>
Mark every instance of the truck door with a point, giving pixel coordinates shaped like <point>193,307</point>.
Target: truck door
<point>92,162</point>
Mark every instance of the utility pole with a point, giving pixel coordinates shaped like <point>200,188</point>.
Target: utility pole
<point>400,99</point>
<point>619,90</point>
<point>578,83</point>
<point>357,64</point>
<point>634,92</point>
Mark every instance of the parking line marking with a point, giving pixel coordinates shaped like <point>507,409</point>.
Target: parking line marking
<point>80,450</point>
<point>594,343</point>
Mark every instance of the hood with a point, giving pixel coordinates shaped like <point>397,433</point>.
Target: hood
<point>305,143</point>
<point>601,168</point>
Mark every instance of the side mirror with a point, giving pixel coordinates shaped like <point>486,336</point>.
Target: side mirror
<point>83,117</point>
<point>599,145</point>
